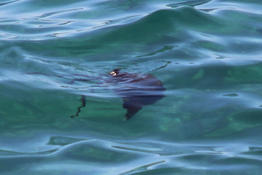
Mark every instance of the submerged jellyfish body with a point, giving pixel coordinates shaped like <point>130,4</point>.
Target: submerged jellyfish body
<point>136,91</point>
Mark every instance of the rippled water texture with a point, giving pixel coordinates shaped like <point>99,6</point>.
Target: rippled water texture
<point>207,53</point>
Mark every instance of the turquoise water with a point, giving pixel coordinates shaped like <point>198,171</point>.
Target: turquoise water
<point>207,53</point>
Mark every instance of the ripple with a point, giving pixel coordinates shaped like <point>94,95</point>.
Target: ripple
<point>61,141</point>
<point>7,2</point>
<point>7,154</point>
<point>188,3</point>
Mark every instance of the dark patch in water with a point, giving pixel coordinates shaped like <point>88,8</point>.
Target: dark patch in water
<point>231,95</point>
<point>259,30</point>
<point>136,91</point>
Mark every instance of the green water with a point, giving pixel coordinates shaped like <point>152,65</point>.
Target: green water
<point>207,53</point>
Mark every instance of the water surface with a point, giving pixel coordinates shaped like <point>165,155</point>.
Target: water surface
<point>207,53</point>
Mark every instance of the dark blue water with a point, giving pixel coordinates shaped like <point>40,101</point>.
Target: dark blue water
<point>207,54</point>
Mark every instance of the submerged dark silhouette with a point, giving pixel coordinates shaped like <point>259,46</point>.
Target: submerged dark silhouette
<point>136,91</point>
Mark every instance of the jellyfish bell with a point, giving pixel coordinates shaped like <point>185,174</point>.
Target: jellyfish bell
<point>136,90</point>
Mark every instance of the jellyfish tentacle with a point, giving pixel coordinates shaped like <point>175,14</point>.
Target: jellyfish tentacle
<point>83,104</point>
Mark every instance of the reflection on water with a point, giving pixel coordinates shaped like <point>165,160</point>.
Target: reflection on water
<point>206,53</point>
